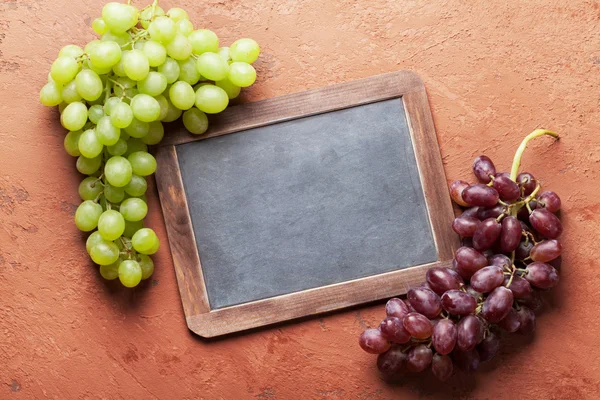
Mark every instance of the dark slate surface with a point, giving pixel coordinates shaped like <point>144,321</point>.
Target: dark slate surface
<point>306,203</point>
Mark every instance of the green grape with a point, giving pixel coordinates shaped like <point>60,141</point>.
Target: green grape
<point>118,171</point>
<point>224,53</point>
<point>70,50</point>
<point>110,103</point>
<point>87,215</point>
<point>133,209</point>
<point>71,143</point>
<point>142,163</point>
<point>119,68</point>
<point>145,108</point>
<point>89,86</point>
<point>131,227</point>
<point>107,133</point>
<point>90,188</point>
<point>242,74</point>
<point>114,194</point>
<point>195,121</point>
<point>88,47</point>
<point>185,27</point>
<point>126,82</point>
<point>162,29</point>
<point>91,67</point>
<point>182,95</point>
<point>111,225</point>
<point>211,99</point>
<point>127,95</point>
<point>164,106</point>
<point>139,45</point>
<point>118,149</point>
<point>134,145</point>
<point>153,249</point>
<point>212,66</point>
<point>144,240</point>
<point>136,65</point>
<point>74,116</point>
<point>155,133</point>
<point>64,69</point>
<point>177,14</point>
<point>130,273</point>
<point>244,50</point>
<point>99,26</point>
<point>104,253</point>
<point>119,17</point>
<point>173,113</point>
<point>170,69</point>
<point>136,187</point>
<point>154,84</point>
<point>189,71</point>
<point>147,266</point>
<point>232,90</point>
<point>155,52</point>
<point>179,48</point>
<point>110,272</point>
<point>89,146</point>
<point>88,166</point>
<point>137,128</point>
<point>121,115</point>
<point>92,240</point>
<point>204,40</point>
<point>62,106</point>
<point>105,54</point>
<point>95,113</point>
<point>50,95</point>
<point>146,15</point>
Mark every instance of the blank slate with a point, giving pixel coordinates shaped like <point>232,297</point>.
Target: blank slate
<point>306,203</point>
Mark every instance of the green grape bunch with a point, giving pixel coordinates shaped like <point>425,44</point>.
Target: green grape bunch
<point>148,67</point>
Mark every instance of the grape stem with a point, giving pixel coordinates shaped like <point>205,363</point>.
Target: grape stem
<point>519,154</point>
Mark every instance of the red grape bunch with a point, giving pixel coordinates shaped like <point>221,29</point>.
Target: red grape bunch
<point>509,256</point>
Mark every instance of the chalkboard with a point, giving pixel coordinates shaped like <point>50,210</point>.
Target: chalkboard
<point>305,204</point>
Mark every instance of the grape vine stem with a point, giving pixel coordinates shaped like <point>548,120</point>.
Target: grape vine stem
<point>519,154</point>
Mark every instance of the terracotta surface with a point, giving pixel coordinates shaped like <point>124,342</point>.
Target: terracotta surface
<point>492,73</point>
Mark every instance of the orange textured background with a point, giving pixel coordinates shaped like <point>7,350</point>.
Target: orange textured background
<point>493,74</point>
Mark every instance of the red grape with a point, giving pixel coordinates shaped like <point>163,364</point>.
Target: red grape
<point>491,212</point>
<point>476,295</point>
<point>392,361</point>
<point>484,169</point>
<point>497,305</point>
<point>523,250</point>
<point>470,212</point>
<point>487,279</point>
<point>465,226</point>
<point>481,195</point>
<point>442,367</point>
<point>534,302</point>
<point>500,260</point>
<point>444,336</point>
<point>541,275</point>
<point>372,341</point>
<point>469,261</point>
<point>419,358</point>
<point>396,308</point>
<point>550,201</point>
<point>519,286</point>
<point>418,325</point>
<point>511,322</point>
<point>527,318</point>
<point>546,251</point>
<point>425,301</point>
<point>468,332</point>
<point>393,330</point>
<point>527,182</point>
<point>443,279</point>
<point>457,302</point>
<point>456,191</point>
<point>556,263</point>
<point>486,234</point>
<point>507,188</point>
<point>510,237</point>
<point>489,347</point>
<point>546,223</point>
<point>409,306</point>
<point>467,361</point>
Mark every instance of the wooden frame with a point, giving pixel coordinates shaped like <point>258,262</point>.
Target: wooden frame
<point>209,323</point>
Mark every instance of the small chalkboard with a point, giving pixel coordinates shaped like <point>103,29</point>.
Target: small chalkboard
<point>305,204</point>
